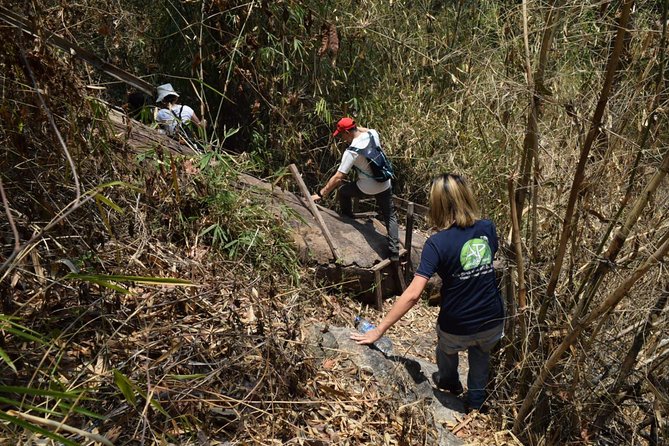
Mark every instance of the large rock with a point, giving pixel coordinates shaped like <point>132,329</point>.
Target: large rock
<point>412,376</point>
<point>361,244</point>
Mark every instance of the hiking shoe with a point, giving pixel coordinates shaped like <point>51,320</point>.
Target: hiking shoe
<point>483,408</point>
<point>469,407</point>
<point>457,390</point>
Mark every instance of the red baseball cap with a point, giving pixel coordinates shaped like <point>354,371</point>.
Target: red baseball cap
<point>344,125</point>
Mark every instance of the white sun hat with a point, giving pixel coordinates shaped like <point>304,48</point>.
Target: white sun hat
<point>165,90</point>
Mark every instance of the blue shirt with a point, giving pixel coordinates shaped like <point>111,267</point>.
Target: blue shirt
<point>463,258</point>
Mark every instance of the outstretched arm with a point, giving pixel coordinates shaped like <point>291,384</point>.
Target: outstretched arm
<point>334,181</point>
<point>406,301</point>
<point>198,122</point>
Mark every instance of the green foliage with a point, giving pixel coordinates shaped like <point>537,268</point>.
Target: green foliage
<point>239,219</point>
<point>404,73</point>
<point>53,400</point>
<point>129,390</point>
<point>10,325</point>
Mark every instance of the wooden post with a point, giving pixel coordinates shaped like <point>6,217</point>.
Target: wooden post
<point>378,278</point>
<point>400,276</point>
<point>314,210</point>
<point>408,236</point>
<point>378,283</point>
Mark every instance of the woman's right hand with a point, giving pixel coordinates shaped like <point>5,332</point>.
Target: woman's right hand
<point>370,337</point>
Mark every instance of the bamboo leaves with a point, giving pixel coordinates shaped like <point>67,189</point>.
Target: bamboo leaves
<point>129,389</point>
<point>126,387</point>
<point>9,325</point>
<point>7,360</point>
<point>11,417</point>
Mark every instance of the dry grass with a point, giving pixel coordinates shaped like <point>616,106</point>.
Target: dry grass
<point>230,361</point>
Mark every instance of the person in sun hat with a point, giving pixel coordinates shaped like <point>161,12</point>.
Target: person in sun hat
<point>357,139</point>
<point>471,316</point>
<point>172,115</point>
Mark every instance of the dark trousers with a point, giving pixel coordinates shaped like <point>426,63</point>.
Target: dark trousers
<point>384,201</point>
<point>478,348</point>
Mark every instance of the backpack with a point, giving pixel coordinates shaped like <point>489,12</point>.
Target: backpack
<point>186,132</point>
<point>382,168</point>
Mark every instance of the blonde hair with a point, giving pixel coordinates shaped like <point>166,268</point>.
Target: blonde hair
<point>452,202</point>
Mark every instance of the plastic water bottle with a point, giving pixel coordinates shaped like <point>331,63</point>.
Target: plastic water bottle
<point>384,344</point>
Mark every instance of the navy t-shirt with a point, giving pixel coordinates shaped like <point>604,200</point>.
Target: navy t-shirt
<point>470,299</point>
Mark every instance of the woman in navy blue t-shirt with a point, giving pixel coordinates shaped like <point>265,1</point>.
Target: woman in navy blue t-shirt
<point>471,315</point>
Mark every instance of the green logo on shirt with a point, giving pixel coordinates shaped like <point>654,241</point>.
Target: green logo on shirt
<point>474,253</point>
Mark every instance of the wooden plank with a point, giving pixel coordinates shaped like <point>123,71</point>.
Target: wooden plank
<point>385,262</point>
<point>364,214</point>
<point>400,276</point>
<point>382,264</point>
<point>418,208</point>
<point>314,210</point>
<point>401,203</point>
<point>378,278</point>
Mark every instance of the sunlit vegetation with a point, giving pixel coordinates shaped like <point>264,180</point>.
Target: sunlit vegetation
<point>154,298</point>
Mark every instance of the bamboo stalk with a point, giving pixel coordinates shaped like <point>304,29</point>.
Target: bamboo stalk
<point>611,69</point>
<point>538,90</point>
<point>200,67</point>
<point>530,140</point>
<point>60,426</point>
<point>451,44</point>
<point>653,119</point>
<point>552,20</point>
<point>609,257</point>
<point>607,305</point>
<point>605,404</point>
<point>522,292</point>
<point>510,331</point>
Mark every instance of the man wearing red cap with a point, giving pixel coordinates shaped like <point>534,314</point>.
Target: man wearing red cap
<point>359,138</point>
